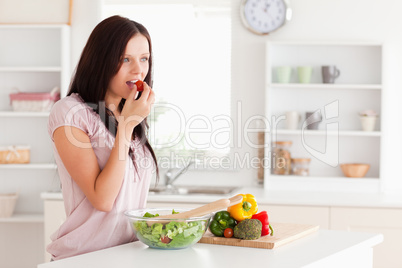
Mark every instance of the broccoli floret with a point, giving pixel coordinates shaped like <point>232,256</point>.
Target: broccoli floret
<point>248,229</point>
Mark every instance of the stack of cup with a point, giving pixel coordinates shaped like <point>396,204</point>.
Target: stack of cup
<point>304,73</point>
<point>283,74</point>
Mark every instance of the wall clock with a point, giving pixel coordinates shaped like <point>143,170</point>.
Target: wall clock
<point>264,16</point>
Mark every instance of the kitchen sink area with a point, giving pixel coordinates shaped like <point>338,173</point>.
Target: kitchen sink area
<point>192,189</point>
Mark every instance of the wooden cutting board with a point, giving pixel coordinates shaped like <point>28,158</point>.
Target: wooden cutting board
<point>283,233</point>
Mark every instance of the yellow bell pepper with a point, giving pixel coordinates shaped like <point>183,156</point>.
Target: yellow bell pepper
<point>245,209</point>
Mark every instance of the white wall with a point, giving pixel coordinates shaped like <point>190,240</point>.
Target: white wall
<point>313,20</point>
<point>86,14</point>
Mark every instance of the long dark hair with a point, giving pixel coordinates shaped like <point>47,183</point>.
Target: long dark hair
<point>100,60</point>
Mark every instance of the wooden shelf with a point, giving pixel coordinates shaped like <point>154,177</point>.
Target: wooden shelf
<point>326,86</point>
<point>356,133</point>
<point>29,166</point>
<point>23,114</point>
<point>23,218</point>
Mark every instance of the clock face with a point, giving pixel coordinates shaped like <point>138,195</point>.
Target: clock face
<point>264,16</point>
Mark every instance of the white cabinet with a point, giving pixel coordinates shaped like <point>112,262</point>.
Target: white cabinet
<point>21,243</point>
<point>315,215</point>
<point>370,220</point>
<point>339,137</point>
<point>385,221</point>
<point>298,214</point>
<point>33,58</point>
<point>54,215</point>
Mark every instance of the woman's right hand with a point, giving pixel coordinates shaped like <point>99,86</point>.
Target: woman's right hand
<point>134,111</point>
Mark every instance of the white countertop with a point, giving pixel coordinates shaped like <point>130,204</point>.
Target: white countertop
<point>320,249</point>
<point>266,197</point>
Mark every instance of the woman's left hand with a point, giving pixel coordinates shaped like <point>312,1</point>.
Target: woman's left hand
<point>134,111</point>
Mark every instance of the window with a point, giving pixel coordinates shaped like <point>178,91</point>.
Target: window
<point>192,73</point>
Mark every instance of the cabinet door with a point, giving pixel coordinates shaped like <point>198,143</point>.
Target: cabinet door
<point>298,214</point>
<point>20,244</point>
<point>55,215</point>
<point>385,221</point>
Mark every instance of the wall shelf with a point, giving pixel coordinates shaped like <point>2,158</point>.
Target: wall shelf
<point>47,65</point>
<point>33,26</point>
<point>29,166</point>
<point>326,86</point>
<point>359,87</point>
<point>31,69</point>
<point>23,114</point>
<point>356,133</point>
<point>324,178</point>
<point>322,183</point>
<point>23,218</point>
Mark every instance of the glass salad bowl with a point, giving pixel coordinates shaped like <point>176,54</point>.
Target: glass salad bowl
<point>165,232</point>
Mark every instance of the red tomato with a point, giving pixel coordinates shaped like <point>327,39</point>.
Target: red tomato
<point>228,233</point>
<point>165,239</point>
<point>140,85</point>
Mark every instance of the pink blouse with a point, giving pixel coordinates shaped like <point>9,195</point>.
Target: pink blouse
<point>87,229</point>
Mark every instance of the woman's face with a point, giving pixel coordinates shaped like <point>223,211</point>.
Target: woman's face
<point>135,66</point>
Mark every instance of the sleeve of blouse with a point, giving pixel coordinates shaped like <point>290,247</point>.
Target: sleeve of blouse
<point>69,112</point>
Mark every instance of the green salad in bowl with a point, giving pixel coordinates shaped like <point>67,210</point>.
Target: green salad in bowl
<point>164,232</point>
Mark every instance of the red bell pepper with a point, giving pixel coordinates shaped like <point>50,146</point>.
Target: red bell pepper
<point>266,227</point>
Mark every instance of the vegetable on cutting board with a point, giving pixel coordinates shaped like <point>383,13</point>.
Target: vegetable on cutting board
<point>241,220</point>
<point>266,227</point>
<point>228,233</point>
<point>249,229</point>
<point>220,222</point>
<point>245,209</point>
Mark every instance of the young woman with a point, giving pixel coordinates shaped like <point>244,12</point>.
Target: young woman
<point>104,159</point>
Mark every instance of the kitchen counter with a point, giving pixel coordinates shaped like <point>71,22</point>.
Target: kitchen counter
<point>266,197</point>
<point>321,249</point>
